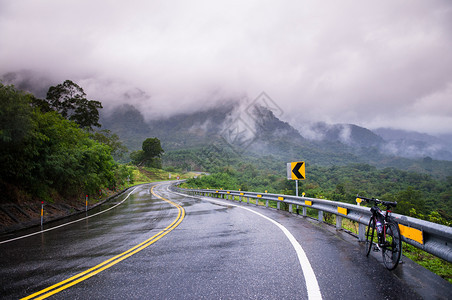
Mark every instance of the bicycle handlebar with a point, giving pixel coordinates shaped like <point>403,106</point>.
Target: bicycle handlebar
<point>377,201</point>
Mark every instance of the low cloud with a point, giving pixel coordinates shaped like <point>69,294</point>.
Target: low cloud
<point>384,64</point>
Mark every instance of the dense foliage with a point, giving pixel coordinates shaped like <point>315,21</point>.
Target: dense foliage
<point>44,154</point>
<point>150,154</point>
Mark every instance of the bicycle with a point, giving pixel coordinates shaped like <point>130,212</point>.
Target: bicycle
<point>388,238</point>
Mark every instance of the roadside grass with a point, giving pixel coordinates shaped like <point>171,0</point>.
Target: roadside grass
<point>146,175</point>
<point>430,262</point>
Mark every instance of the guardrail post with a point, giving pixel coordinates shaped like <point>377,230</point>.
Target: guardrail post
<point>290,208</point>
<point>266,203</point>
<point>278,205</point>
<point>304,211</point>
<point>240,198</point>
<point>321,215</point>
<point>338,222</point>
<point>361,232</point>
<point>257,201</point>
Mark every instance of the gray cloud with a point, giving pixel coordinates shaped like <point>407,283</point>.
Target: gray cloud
<point>375,64</point>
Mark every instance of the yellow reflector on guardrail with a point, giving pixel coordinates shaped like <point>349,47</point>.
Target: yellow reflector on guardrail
<point>241,194</point>
<point>412,233</point>
<point>307,202</point>
<point>228,192</point>
<point>259,196</point>
<point>342,210</point>
<point>281,198</point>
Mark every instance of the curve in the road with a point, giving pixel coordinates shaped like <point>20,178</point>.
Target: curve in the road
<point>56,288</point>
<point>312,285</point>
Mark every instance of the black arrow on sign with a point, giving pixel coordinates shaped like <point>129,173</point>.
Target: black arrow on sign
<point>296,170</point>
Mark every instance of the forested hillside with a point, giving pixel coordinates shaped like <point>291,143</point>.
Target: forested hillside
<point>48,150</point>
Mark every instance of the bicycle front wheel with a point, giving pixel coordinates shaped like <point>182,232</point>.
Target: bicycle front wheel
<point>370,235</point>
<point>392,248</point>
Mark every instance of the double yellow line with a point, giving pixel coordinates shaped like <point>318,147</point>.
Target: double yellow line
<point>56,288</point>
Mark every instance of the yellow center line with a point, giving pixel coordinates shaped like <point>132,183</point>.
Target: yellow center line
<point>56,288</point>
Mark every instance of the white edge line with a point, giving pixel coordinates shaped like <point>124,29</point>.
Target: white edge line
<point>68,223</point>
<point>311,281</point>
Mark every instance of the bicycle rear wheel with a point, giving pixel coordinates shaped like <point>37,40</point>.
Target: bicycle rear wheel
<point>392,248</point>
<point>370,235</point>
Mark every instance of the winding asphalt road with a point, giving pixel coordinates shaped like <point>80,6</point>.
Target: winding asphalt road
<point>151,243</point>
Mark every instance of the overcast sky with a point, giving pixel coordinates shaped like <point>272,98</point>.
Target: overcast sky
<point>372,63</point>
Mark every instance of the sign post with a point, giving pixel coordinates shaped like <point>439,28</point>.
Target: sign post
<point>296,187</point>
<point>296,171</point>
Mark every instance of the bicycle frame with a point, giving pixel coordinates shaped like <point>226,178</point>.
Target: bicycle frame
<point>388,236</point>
<point>384,217</point>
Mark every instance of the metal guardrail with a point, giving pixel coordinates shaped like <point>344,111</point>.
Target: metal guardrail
<point>430,237</point>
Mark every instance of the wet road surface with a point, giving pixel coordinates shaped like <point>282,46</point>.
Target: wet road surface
<point>192,248</point>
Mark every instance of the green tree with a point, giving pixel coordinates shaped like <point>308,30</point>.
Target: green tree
<point>152,148</point>
<point>66,159</point>
<point>16,129</point>
<point>112,140</point>
<point>15,114</point>
<point>69,100</point>
<point>407,199</point>
<point>150,155</point>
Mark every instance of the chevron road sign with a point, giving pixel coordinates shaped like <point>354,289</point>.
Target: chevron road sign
<point>296,170</point>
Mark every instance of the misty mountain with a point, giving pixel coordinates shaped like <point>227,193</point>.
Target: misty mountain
<point>414,144</point>
<point>223,123</point>
<point>257,132</point>
<point>389,142</point>
<point>348,134</point>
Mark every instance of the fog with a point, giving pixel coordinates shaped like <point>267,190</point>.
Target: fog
<point>375,64</point>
